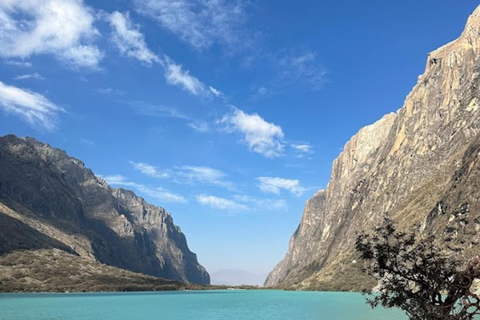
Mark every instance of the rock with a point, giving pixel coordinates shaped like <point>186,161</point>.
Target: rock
<point>58,203</point>
<point>420,166</point>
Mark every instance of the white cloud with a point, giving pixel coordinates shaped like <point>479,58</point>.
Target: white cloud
<point>262,204</point>
<point>275,185</point>
<point>300,68</point>
<point>177,76</point>
<point>261,136</point>
<point>82,56</point>
<point>157,193</point>
<point>131,43</point>
<point>202,23</point>
<point>302,150</point>
<point>302,147</point>
<point>242,203</point>
<point>129,40</point>
<point>19,63</point>
<point>293,69</point>
<point>63,28</point>
<point>220,203</point>
<point>29,76</point>
<point>199,126</point>
<point>215,92</point>
<point>88,143</point>
<point>204,175</point>
<point>149,170</point>
<point>262,91</point>
<point>187,175</point>
<point>171,112</point>
<point>32,107</point>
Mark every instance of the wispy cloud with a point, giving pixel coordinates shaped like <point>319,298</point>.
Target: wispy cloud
<point>30,106</point>
<point>149,170</point>
<point>19,63</point>
<point>261,204</point>
<point>129,40</point>
<point>170,112</point>
<point>215,92</point>
<point>291,69</point>
<point>200,126</point>
<point>109,90</point>
<point>300,68</point>
<point>241,203</point>
<point>177,76</point>
<point>29,76</point>
<point>88,143</point>
<point>220,203</point>
<point>262,92</point>
<point>261,136</point>
<point>275,185</point>
<point>225,23</point>
<point>202,23</point>
<point>302,149</point>
<point>63,28</point>
<point>157,193</point>
<point>159,111</point>
<point>187,175</point>
<point>203,175</point>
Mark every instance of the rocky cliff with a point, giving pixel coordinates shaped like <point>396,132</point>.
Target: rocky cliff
<point>419,165</point>
<point>50,200</point>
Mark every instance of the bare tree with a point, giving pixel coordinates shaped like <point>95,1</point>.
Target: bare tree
<point>417,276</point>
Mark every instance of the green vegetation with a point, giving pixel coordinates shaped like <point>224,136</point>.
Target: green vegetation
<point>417,276</point>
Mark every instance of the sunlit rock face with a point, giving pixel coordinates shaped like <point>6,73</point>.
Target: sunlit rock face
<point>61,204</point>
<point>420,166</point>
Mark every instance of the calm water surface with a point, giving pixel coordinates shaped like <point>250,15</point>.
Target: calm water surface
<point>198,305</point>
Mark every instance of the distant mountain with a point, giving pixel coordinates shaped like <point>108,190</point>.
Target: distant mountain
<point>50,200</point>
<point>237,278</point>
<point>420,165</point>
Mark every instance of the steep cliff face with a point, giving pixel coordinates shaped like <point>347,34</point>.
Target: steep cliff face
<point>58,203</point>
<point>418,166</point>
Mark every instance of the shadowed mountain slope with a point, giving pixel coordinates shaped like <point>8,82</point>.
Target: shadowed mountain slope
<point>50,200</point>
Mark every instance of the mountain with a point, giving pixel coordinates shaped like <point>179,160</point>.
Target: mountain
<point>49,200</point>
<point>419,165</point>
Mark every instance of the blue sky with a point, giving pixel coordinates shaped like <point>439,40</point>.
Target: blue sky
<point>227,113</point>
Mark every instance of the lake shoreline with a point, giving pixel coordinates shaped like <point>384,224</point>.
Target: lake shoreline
<point>197,304</point>
<point>181,287</point>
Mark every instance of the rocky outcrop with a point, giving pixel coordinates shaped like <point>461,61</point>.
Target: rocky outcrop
<point>54,201</point>
<point>419,166</point>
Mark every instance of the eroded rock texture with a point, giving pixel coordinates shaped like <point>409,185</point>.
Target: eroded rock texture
<point>419,166</point>
<point>50,200</point>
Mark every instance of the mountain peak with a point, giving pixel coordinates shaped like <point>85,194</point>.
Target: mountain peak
<point>56,195</point>
<point>473,22</point>
<point>452,52</point>
<point>405,166</point>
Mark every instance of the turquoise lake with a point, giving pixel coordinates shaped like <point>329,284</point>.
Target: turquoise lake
<point>198,305</point>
